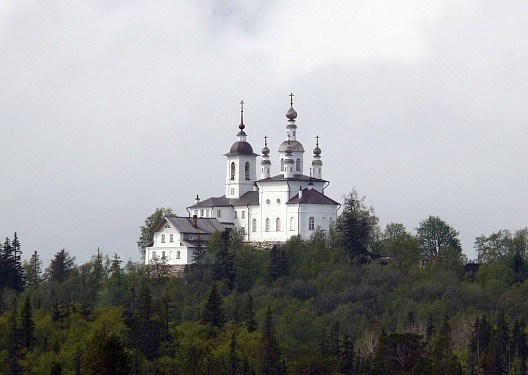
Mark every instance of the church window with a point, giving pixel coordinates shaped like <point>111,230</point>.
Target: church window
<point>232,191</point>
<point>278,225</point>
<point>298,165</point>
<point>236,215</point>
<point>153,254</point>
<point>232,171</point>
<point>282,165</point>
<point>246,170</point>
<point>178,254</point>
<point>201,213</point>
<point>195,212</point>
<point>254,225</point>
<point>243,230</point>
<point>171,237</point>
<point>218,213</point>
<point>267,224</point>
<point>163,255</point>
<point>162,238</point>
<point>207,213</point>
<point>167,226</point>
<point>292,223</point>
<point>243,214</point>
<point>278,202</point>
<point>311,223</point>
<point>267,202</point>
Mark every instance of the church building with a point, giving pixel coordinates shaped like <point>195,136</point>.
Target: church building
<point>266,207</point>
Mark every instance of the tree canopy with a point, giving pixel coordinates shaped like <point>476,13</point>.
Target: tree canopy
<point>147,229</point>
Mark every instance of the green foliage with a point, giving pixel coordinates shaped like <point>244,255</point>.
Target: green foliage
<point>147,229</point>
<point>106,355</point>
<point>324,313</point>
<point>212,313</point>
<point>60,267</point>
<point>435,235</point>
<point>357,226</point>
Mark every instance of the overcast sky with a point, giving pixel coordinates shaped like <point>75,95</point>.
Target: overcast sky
<point>109,109</point>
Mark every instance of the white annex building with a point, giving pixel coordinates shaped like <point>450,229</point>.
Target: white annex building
<point>270,208</point>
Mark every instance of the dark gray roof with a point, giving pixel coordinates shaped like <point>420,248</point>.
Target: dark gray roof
<point>184,224</point>
<point>296,177</point>
<point>312,196</point>
<point>241,148</point>
<point>213,202</point>
<point>251,198</point>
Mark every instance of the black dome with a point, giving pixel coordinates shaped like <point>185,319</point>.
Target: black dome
<point>241,148</point>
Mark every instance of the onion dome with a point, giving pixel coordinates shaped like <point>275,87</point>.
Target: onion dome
<point>291,114</point>
<point>295,146</point>
<point>317,150</point>
<point>265,149</point>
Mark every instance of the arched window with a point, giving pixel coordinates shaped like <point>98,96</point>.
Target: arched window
<point>232,170</point>
<point>246,170</point>
<point>298,165</point>
<point>292,223</point>
<point>162,238</point>
<point>267,224</point>
<point>277,225</point>
<point>311,223</point>
<point>254,225</point>
<point>282,165</point>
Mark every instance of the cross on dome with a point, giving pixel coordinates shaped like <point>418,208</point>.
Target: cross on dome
<point>241,126</point>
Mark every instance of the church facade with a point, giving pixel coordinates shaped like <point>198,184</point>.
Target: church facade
<point>267,207</point>
<point>264,207</point>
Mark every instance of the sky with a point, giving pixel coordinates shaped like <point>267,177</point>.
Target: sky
<point>110,109</point>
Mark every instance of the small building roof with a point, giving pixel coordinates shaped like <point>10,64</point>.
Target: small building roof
<point>312,196</point>
<point>185,224</point>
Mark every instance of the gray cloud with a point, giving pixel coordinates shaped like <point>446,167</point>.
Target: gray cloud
<point>111,109</point>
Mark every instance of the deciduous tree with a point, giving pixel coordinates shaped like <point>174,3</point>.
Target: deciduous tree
<point>147,229</point>
<point>357,226</point>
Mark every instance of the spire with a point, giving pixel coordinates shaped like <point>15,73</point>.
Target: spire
<point>317,164</point>
<point>241,126</point>
<point>265,163</point>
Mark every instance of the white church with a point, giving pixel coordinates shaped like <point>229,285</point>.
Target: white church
<point>268,209</point>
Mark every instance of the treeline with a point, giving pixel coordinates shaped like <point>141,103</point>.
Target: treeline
<point>357,300</point>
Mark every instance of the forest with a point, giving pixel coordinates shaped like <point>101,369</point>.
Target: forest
<point>357,300</point>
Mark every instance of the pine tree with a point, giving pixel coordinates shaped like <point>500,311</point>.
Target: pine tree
<point>233,357</point>
<point>251,323</point>
<point>223,267</point>
<point>278,265</point>
<point>33,271</point>
<point>60,266</point>
<point>27,326</point>
<point>212,311</point>
<point>18,280</point>
<point>271,362</point>
<point>11,271</point>
<point>334,339</point>
<point>346,361</point>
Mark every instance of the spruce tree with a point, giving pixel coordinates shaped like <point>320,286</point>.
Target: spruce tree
<point>212,311</point>
<point>271,363</point>
<point>251,323</point>
<point>60,266</point>
<point>33,271</point>
<point>27,326</point>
